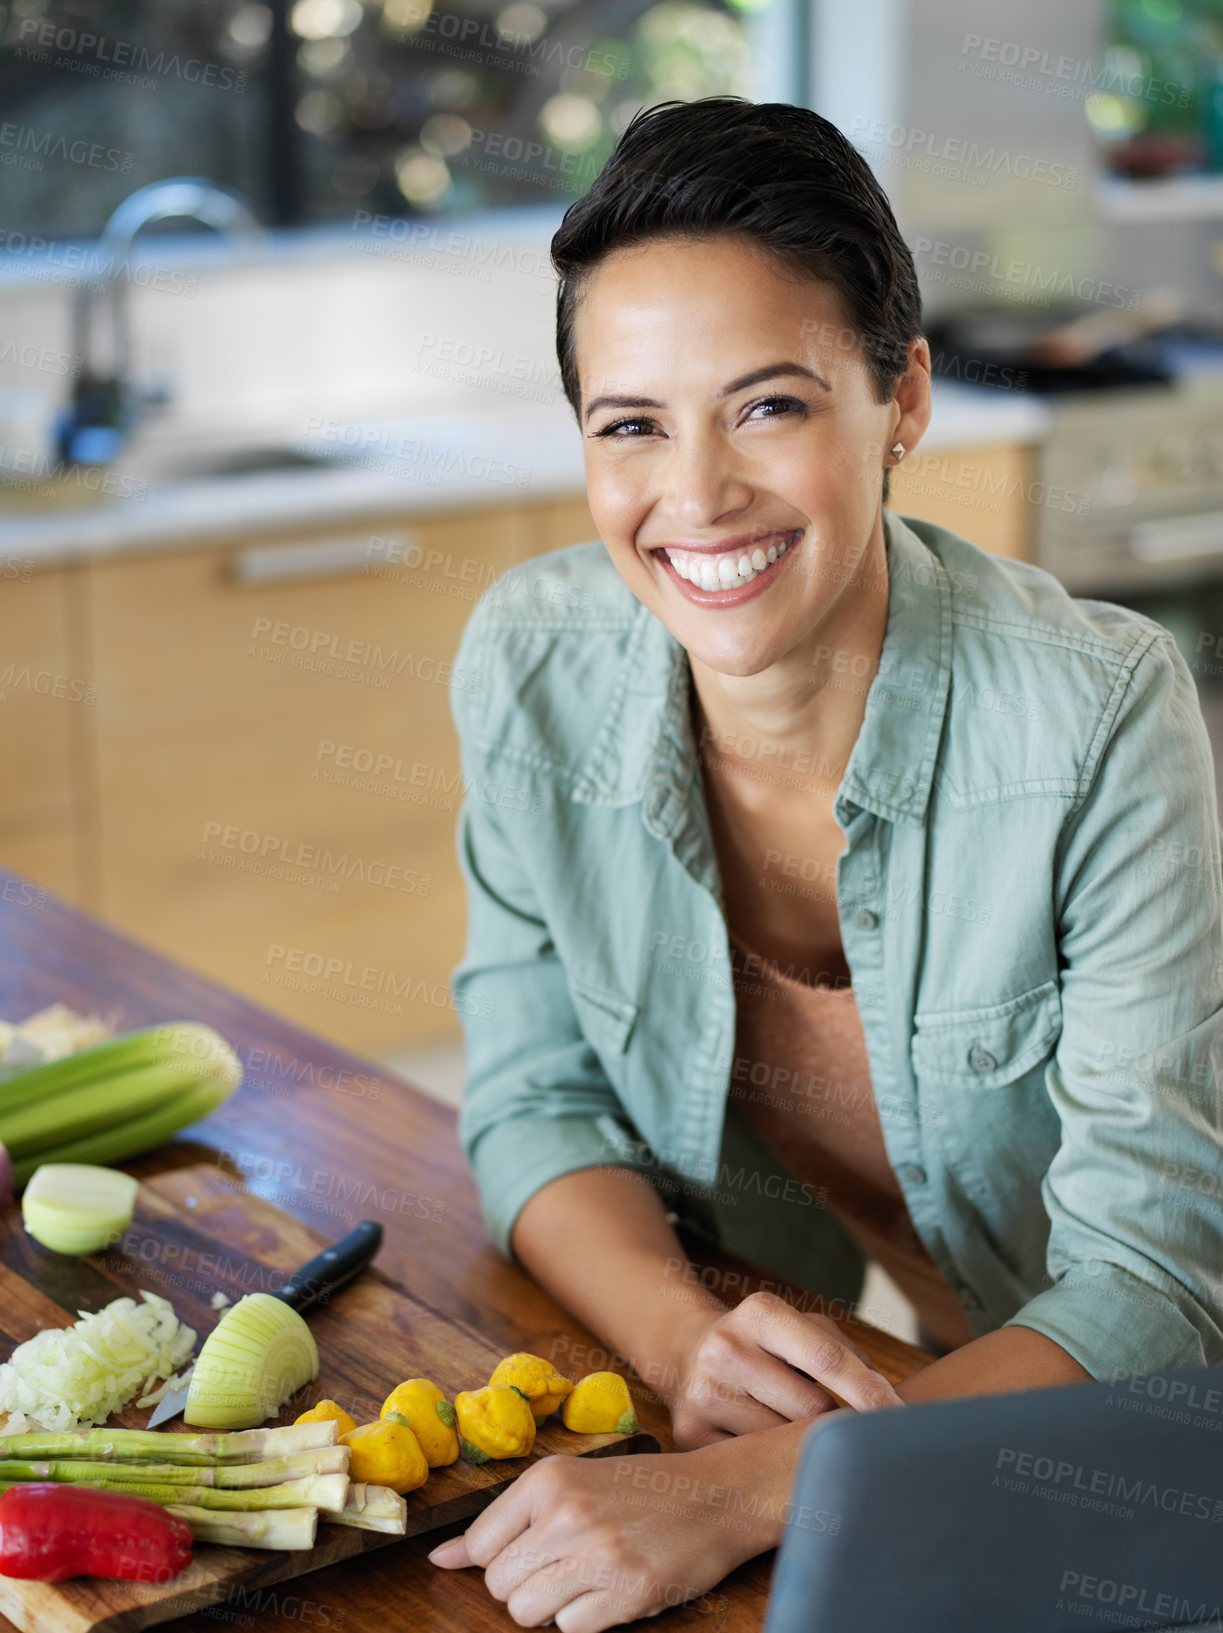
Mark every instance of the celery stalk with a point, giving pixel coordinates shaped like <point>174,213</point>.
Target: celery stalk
<point>164,1446</point>
<point>372,1508</point>
<point>229,1476</point>
<point>127,1139</point>
<point>266,1528</point>
<point>89,1109</point>
<point>105,1060</point>
<point>316,1491</point>
<point>110,1102</point>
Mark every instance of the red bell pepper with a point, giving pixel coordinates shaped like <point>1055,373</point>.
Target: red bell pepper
<point>50,1532</point>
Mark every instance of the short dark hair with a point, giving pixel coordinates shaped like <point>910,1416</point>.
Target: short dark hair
<point>778,175</point>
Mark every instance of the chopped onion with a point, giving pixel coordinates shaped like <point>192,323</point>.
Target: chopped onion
<point>69,1377</point>
<point>75,1207</point>
<point>257,1355</point>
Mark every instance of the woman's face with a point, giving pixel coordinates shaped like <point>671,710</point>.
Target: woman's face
<point>728,417</point>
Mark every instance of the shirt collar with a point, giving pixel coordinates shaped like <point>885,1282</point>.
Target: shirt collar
<point>645,749</point>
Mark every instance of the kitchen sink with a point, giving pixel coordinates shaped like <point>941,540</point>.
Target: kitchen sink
<point>192,463</point>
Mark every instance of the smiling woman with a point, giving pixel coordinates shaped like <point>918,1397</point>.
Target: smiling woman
<point>804,938</point>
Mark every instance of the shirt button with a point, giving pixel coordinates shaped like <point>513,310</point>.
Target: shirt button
<point>864,919</point>
<point>672,1218</point>
<point>968,1298</point>
<point>911,1173</point>
<point>980,1059</point>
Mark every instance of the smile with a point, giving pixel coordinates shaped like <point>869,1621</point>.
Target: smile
<point>710,579</point>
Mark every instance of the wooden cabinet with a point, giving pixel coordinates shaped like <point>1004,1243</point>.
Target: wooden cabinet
<point>277,769</point>
<point>47,699</point>
<point>569,522</point>
<point>983,494</point>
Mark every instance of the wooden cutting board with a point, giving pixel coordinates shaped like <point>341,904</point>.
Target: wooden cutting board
<point>196,1231</point>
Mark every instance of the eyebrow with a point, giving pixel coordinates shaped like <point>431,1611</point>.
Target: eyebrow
<point>771,371</point>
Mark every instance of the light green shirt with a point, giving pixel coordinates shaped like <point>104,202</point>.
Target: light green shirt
<point>1030,909</point>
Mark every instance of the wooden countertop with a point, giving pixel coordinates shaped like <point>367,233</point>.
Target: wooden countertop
<point>309,1124</point>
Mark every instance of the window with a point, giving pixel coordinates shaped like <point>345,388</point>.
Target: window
<point>1157,109</point>
<point>315,109</point>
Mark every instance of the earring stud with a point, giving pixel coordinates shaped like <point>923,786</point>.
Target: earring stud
<point>897,450</point>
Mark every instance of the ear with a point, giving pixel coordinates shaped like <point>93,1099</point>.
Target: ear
<point>912,397</point>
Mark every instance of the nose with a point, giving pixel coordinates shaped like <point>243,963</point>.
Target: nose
<point>702,482</point>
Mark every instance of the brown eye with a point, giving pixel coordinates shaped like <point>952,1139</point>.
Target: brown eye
<point>617,425</point>
<point>778,402</point>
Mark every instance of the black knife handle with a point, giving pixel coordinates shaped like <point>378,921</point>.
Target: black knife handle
<point>332,1267</point>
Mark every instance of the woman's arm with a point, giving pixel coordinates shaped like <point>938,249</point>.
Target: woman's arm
<point>598,1240</point>
<point>1010,1358</point>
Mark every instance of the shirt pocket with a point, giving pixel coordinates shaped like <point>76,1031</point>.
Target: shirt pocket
<point>607,1018</point>
<point>989,1046</point>
<point>980,1076</point>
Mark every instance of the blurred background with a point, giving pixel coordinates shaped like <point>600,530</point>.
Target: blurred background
<point>279,398</point>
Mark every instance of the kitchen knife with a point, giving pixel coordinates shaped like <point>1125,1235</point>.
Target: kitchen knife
<point>306,1287</point>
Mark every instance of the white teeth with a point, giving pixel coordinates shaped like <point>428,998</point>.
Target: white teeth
<point>729,572</point>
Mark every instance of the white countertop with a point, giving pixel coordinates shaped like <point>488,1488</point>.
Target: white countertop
<point>423,464</point>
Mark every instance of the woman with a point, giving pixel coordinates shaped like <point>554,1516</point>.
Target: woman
<point>834,887</point>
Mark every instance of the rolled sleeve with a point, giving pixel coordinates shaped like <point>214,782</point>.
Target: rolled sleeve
<point>537,1103</point>
<point>1134,1193</point>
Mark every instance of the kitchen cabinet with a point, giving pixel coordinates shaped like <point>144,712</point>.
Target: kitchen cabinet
<point>46,700</point>
<point>277,772</point>
<point>244,755</point>
<point>570,522</point>
<point>983,494</point>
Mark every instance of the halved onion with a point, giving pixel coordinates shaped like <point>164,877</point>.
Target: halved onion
<point>75,1207</point>
<point>257,1355</point>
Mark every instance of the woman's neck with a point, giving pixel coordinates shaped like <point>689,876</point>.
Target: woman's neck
<point>803,714</point>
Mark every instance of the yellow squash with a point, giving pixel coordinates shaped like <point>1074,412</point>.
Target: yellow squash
<point>327,1412</point>
<point>600,1404</point>
<point>431,1416</point>
<point>538,1380</point>
<point>386,1453</point>
<point>495,1421</point>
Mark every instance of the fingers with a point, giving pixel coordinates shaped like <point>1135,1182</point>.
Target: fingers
<point>592,1612</point>
<point>583,1597</point>
<point>505,1518</point>
<point>531,1559</point>
<point>555,1594</point>
<point>452,1555</point>
<point>741,1387</point>
<point>820,1352</point>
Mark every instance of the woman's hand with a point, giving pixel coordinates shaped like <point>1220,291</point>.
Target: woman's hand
<point>765,1363</point>
<point>590,1543</point>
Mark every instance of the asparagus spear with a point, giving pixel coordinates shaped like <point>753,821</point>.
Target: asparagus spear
<point>372,1508</point>
<point>331,1460</point>
<point>267,1528</point>
<point>162,1446</point>
<point>317,1491</point>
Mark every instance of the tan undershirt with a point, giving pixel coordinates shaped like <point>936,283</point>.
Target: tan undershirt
<point>801,1077</point>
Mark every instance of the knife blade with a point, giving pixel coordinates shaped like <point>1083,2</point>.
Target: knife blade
<point>312,1284</point>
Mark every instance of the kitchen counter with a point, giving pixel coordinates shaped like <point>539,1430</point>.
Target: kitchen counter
<point>306,1108</point>
<point>427,464</point>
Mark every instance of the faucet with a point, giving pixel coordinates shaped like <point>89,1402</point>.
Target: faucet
<point>106,406</point>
